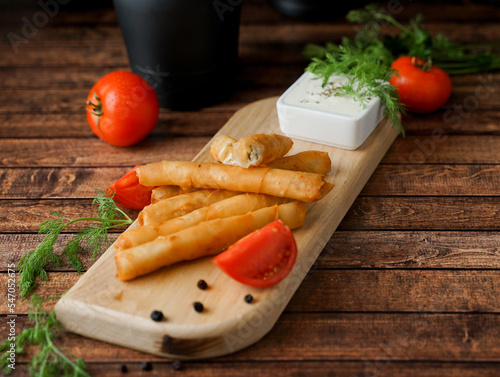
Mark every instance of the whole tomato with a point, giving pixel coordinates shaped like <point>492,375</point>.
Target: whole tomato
<point>122,108</point>
<point>422,87</point>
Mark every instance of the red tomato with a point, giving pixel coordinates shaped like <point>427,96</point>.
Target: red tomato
<point>129,192</point>
<point>261,259</point>
<point>122,108</point>
<point>422,87</point>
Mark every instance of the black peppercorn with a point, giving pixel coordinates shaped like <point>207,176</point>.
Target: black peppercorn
<point>156,315</point>
<point>198,306</point>
<point>177,365</point>
<point>248,298</point>
<point>123,368</point>
<point>202,284</point>
<point>147,366</point>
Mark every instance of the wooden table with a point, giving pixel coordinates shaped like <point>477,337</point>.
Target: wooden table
<point>407,286</point>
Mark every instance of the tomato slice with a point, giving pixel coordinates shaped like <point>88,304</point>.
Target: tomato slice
<point>129,192</point>
<point>261,259</point>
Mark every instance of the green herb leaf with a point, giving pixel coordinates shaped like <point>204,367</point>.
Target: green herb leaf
<point>50,361</point>
<point>368,70</point>
<point>33,263</point>
<point>413,40</point>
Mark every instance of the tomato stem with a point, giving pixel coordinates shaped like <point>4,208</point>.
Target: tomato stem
<point>426,67</point>
<point>95,108</point>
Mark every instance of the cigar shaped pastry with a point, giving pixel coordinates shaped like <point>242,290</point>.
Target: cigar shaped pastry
<point>180,205</point>
<point>236,205</point>
<point>309,161</point>
<point>206,238</point>
<point>221,149</point>
<point>250,151</point>
<point>307,187</point>
<point>165,192</point>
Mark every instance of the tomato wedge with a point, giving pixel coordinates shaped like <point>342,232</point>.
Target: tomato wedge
<point>129,192</point>
<point>261,259</point>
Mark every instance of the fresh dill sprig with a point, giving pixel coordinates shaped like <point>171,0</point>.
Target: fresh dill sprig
<point>33,263</point>
<point>366,59</point>
<point>50,360</point>
<point>413,40</point>
<point>368,76</point>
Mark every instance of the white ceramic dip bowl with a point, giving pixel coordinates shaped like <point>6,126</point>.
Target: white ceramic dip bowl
<point>314,113</point>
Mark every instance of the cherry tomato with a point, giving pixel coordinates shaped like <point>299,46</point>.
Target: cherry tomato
<point>261,259</point>
<point>129,192</point>
<point>422,87</point>
<point>122,108</point>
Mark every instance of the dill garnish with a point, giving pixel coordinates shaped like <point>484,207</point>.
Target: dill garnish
<point>413,40</point>
<point>368,76</point>
<point>366,59</point>
<point>50,360</point>
<point>32,264</point>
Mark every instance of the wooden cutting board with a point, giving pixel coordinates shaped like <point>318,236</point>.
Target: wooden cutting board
<point>102,307</point>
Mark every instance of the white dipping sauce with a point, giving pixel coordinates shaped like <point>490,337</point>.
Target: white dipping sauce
<point>310,93</point>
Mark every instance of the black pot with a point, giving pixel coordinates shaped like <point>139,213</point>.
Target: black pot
<point>186,49</point>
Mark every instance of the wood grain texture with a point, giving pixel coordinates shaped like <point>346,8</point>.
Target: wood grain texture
<point>443,337</point>
<point>366,213</point>
<point>272,33</point>
<point>92,152</point>
<point>115,55</point>
<point>38,211</point>
<point>411,249</point>
<point>444,149</point>
<point>411,291</point>
<point>450,213</point>
<point>83,42</point>
<point>256,12</point>
<point>382,368</point>
<point>260,74</point>
<point>207,123</point>
<point>310,368</point>
<point>187,334</point>
<point>72,100</point>
<point>387,180</point>
<point>346,249</point>
<point>67,125</point>
<point>434,180</point>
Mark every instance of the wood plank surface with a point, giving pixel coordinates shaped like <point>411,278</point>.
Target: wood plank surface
<point>273,33</point>
<point>72,100</point>
<point>244,369</point>
<point>442,149</point>
<point>378,212</point>
<point>206,123</point>
<point>421,180</point>
<point>382,368</point>
<point>253,12</point>
<point>346,249</point>
<point>443,337</point>
<point>258,74</point>
<point>195,336</point>
<point>408,284</point>
<point>414,291</point>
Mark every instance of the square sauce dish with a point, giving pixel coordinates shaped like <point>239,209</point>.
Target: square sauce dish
<point>312,112</point>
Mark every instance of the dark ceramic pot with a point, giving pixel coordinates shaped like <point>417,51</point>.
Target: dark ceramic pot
<point>186,49</point>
